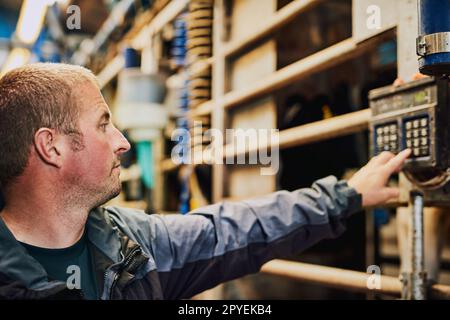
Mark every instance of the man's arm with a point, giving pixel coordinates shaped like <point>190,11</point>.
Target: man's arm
<point>227,240</point>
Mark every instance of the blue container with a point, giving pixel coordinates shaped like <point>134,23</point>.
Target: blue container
<point>179,23</point>
<point>180,33</point>
<point>132,58</point>
<point>178,51</point>
<point>179,42</point>
<point>434,17</point>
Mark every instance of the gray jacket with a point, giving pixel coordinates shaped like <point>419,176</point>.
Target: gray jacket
<point>140,256</point>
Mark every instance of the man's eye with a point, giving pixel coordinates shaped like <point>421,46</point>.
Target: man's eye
<point>103,126</point>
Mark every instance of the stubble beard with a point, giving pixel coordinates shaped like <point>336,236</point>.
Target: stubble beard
<point>99,195</point>
<point>112,190</point>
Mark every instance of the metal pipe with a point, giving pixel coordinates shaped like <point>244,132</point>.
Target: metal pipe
<point>344,279</point>
<point>417,280</point>
<point>332,277</point>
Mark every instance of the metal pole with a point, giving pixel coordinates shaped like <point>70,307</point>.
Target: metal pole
<point>344,279</point>
<point>416,281</point>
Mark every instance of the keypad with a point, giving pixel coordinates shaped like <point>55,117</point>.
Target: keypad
<point>417,137</point>
<point>386,137</point>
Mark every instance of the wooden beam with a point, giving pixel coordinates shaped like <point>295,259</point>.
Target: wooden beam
<point>218,89</point>
<point>111,70</point>
<point>279,19</point>
<point>311,132</point>
<point>168,165</point>
<point>202,110</point>
<point>295,71</point>
<point>322,60</point>
<point>201,66</point>
<point>325,129</point>
<point>166,15</point>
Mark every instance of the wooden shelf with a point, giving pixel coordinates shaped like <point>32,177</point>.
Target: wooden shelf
<point>200,66</point>
<point>202,110</point>
<point>279,19</point>
<point>312,132</point>
<point>111,70</point>
<point>168,165</point>
<point>165,16</point>
<point>143,38</point>
<point>320,61</point>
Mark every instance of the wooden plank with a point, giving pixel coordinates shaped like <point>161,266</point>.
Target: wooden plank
<point>407,32</point>
<point>363,14</point>
<point>311,132</point>
<point>144,19</point>
<point>142,39</point>
<point>260,114</point>
<point>165,16</point>
<point>168,165</point>
<point>295,71</point>
<point>160,185</point>
<point>246,181</point>
<point>245,70</point>
<point>244,21</point>
<point>276,21</point>
<point>202,110</point>
<point>200,66</point>
<point>218,89</point>
<point>325,129</point>
<point>249,68</point>
<point>217,119</point>
<point>322,60</point>
<point>111,70</point>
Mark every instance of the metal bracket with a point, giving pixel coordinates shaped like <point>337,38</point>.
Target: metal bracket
<point>433,43</point>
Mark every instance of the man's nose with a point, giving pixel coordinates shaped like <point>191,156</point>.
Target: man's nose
<point>122,143</point>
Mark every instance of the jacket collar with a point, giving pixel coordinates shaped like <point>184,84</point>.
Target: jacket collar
<point>18,265</point>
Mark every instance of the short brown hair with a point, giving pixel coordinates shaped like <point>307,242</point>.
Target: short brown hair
<point>32,97</point>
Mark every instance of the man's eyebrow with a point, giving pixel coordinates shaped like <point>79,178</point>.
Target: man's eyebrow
<point>106,116</point>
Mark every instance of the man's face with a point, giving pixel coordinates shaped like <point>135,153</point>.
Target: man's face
<point>94,170</point>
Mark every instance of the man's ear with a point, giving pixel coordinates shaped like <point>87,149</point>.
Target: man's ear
<point>48,146</point>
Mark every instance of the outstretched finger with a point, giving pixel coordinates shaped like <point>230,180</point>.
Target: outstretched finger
<point>383,158</point>
<point>396,163</point>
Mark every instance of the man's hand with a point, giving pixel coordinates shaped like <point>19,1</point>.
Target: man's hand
<point>370,181</point>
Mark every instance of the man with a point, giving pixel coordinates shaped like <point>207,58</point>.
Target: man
<point>60,162</point>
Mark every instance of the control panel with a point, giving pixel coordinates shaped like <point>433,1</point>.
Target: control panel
<point>416,116</point>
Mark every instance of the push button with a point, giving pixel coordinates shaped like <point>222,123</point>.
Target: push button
<point>387,138</point>
<point>424,122</point>
<point>416,136</point>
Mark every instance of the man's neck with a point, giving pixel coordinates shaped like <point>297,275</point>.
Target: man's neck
<point>47,224</point>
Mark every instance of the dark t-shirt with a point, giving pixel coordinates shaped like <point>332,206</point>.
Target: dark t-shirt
<point>72,265</point>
